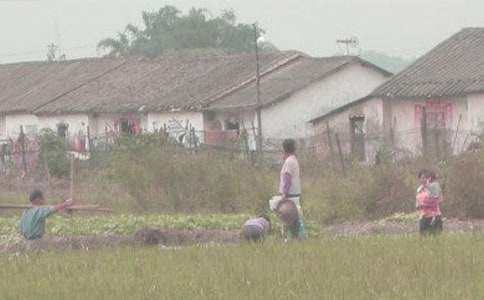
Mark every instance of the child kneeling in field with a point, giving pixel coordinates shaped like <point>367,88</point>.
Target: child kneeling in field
<point>255,230</point>
<point>32,224</point>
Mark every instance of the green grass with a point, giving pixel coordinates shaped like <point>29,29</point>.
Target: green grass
<point>450,267</point>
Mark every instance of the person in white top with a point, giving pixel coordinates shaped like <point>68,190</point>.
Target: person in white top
<point>290,182</point>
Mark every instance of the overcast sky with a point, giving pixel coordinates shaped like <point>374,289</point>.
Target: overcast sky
<point>398,27</point>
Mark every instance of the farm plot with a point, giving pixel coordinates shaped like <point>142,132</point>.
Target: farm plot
<point>378,267</point>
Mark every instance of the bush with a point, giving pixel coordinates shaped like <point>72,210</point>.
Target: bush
<point>159,175</point>
<point>53,154</point>
<point>465,186</point>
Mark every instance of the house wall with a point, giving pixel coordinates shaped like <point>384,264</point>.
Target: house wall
<point>77,122</point>
<point>475,104</point>
<point>397,122</point>
<point>406,120</point>
<point>371,110</point>
<point>176,123</point>
<point>100,124</point>
<point>13,122</point>
<point>216,130</point>
<point>289,118</point>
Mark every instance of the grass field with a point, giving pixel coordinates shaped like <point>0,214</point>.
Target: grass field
<point>450,267</point>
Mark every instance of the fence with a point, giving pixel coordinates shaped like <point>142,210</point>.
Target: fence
<point>336,148</point>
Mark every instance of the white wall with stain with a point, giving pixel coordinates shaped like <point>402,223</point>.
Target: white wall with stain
<point>289,118</point>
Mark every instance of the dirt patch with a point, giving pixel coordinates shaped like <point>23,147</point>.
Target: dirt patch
<point>66,243</point>
<point>389,228</point>
<point>182,237</point>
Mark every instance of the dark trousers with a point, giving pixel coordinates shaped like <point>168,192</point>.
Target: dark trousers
<point>430,225</point>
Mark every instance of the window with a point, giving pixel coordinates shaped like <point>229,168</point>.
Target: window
<point>62,129</point>
<point>232,125</point>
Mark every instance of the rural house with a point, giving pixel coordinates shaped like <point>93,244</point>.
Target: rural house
<point>433,106</point>
<point>209,95</point>
<point>293,92</point>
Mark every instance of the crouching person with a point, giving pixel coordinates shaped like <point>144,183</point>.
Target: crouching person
<point>255,230</point>
<point>32,224</point>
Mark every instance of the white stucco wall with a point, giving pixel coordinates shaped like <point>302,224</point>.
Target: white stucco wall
<point>384,116</point>
<point>407,129</point>
<point>289,118</point>
<point>371,110</point>
<point>32,124</point>
<point>475,104</point>
<point>13,122</point>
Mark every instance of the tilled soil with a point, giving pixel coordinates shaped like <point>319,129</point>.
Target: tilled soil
<point>388,228</point>
<point>145,236</point>
<point>171,237</point>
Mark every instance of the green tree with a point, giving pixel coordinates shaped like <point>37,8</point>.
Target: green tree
<point>393,64</point>
<point>168,30</point>
<point>53,154</point>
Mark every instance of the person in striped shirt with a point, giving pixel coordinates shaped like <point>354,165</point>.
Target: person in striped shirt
<point>256,229</point>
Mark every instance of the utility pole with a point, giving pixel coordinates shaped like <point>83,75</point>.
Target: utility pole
<point>259,104</point>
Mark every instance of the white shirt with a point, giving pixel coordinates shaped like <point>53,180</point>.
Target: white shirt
<point>291,167</point>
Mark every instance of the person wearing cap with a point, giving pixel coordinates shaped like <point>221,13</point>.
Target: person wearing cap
<point>32,224</point>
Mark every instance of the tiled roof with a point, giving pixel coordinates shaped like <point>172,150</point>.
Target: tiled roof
<point>454,67</point>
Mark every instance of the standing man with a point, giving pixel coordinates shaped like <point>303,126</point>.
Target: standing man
<point>290,182</point>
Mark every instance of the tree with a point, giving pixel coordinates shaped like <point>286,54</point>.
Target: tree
<point>168,30</point>
<point>54,53</point>
<point>393,64</point>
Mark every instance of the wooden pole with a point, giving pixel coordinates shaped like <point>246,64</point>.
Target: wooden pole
<point>340,153</point>
<point>424,132</point>
<point>87,208</point>
<point>330,143</point>
<point>71,187</point>
<point>456,134</point>
<point>260,140</point>
<point>22,145</point>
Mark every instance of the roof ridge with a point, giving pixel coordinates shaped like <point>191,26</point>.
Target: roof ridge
<point>279,64</point>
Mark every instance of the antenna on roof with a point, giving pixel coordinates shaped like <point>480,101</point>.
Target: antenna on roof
<point>350,43</point>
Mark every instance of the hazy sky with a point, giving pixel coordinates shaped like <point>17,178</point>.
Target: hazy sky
<point>398,27</point>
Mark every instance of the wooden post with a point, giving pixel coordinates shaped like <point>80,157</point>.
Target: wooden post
<point>340,153</point>
<point>330,144</point>
<point>392,132</point>
<point>22,145</point>
<point>71,187</point>
<point>424,132</point>
<point>89,143</point>
<point>452,148</point>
